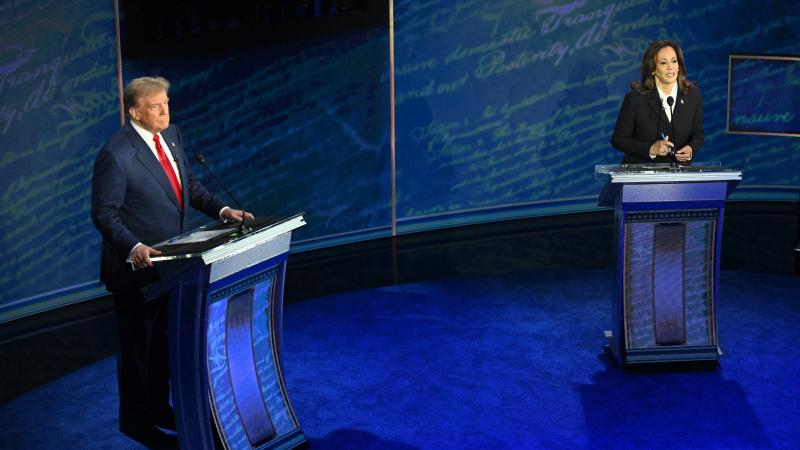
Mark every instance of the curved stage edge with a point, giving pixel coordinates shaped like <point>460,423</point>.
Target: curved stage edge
<point>503,361</point>
<point>759,237</point>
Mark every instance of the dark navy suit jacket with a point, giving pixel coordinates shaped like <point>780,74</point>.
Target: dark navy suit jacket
<point>642,119</point>
<point>133,201</point>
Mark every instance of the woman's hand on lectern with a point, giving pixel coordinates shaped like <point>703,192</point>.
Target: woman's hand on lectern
<point>661,147</point>
<point>684,154</point>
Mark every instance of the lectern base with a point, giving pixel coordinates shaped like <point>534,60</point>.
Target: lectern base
<point>292,440</point>
<point>700,356</point>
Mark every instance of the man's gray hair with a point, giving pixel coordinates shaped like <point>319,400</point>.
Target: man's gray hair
<point>142,87</point>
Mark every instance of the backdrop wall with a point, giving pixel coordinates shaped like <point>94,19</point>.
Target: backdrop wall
<point>58,105</point>
<point>502,110</point>
<point>507,106</point>
<point>296,127</point>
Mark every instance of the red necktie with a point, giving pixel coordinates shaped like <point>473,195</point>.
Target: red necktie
<point>173,180</point>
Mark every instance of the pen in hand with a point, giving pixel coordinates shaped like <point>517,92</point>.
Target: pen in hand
<point>664,137</point>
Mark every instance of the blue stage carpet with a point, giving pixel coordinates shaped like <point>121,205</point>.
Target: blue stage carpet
<point>494,363</point>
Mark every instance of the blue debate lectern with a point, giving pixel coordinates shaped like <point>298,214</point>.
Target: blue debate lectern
<point>667,242</point>
<point>226,300</point>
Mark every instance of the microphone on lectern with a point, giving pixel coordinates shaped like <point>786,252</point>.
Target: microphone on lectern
<point>670,102</point>
<point>202,160</point>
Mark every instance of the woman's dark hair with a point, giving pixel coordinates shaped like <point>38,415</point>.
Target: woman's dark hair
<point>648,82</point>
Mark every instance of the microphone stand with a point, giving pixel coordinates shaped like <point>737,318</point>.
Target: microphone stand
<point>674,163</point>
<point>244,229</point>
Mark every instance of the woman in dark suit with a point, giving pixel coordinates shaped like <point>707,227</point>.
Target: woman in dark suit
<point>661,118</point>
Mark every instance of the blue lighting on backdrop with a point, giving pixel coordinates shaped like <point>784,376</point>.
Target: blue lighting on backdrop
<point>59,105</point>
<point>498,104</point>
<point>513,102</point>
<point>765,95</point>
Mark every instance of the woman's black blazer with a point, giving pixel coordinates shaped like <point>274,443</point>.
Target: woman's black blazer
<point>642,119</point>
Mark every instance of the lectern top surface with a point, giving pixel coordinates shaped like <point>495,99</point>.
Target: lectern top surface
<point>219,234</point>
<point>660,172</point>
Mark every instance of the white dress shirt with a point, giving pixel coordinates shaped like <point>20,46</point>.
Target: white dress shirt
<point>148,139</point>
<point>674,94</point>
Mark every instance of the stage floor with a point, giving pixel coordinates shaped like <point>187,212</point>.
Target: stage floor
<point>504,362</point>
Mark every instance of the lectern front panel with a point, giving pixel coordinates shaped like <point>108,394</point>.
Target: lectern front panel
<point>667,237</point>
<point>248,401</point>
<point>668,278</point>
<point>226,304</point>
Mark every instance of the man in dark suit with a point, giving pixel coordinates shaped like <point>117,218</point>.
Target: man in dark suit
<point>141,187</point>
<point>661,118</point>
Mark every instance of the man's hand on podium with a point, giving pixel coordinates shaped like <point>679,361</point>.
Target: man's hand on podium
<point>230,214</point>
<point>140,256</point>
